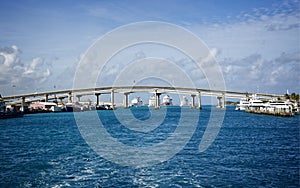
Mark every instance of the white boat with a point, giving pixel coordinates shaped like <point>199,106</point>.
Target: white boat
<point>255,104</point>
<point>6,113</point>
<point>252,103</point>
<point>167,100</point>
<point>244,103</point>
<point>152,101</point>
<point>55,109</point>
<point>72,107</point>
<point>276,108</point>
<point>136,101</point>
<point>44,106</point>
<point>279,106</point>
<point>296,108</point>
<point>184,101</point>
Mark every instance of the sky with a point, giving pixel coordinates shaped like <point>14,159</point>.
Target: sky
<point>256,43</point>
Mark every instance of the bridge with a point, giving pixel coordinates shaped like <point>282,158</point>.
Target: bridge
<point>70,94</point>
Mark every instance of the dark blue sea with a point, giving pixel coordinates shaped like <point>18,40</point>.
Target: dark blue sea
<point>250,150</point>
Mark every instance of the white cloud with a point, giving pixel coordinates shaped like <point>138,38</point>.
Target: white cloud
<point>254,71</point>
<point>254,48</point>
<point>261,49</point>
<point>21,75</point>
<point>268,32</point>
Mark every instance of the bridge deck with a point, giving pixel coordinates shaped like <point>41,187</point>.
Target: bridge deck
<point>148,89</point>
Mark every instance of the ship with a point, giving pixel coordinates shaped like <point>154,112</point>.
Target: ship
<point>6,113</point>
<point>137,101</point>
<point>152,101</point>
<point>243,104</point>
<point>272,107</point>
<point>167,100</point>
<point>184,101</point>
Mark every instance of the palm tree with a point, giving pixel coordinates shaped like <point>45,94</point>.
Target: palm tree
<point>295,97</point>
<point>286,96</point>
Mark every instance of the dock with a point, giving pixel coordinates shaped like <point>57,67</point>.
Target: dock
<point>272,113</point>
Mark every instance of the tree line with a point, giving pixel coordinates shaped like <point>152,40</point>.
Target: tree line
<point>293,96</point>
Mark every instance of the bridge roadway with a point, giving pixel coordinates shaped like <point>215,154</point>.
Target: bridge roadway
<point>126,90</point>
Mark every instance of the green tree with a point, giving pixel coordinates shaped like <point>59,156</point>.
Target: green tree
<point>287,96</point>
<point>295,97</point>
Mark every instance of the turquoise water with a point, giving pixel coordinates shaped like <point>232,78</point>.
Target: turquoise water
<point>47,150</point>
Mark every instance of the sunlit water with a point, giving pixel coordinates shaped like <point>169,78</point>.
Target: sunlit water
<point>47,150</point>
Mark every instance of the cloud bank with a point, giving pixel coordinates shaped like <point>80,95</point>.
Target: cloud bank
<point>258,51</point>
<point>18,74</point>
<point>255,73</point>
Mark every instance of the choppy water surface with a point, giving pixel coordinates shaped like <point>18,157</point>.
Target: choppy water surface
<point>47,150</point>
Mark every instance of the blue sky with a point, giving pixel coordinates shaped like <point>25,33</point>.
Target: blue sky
<point>257,43</point>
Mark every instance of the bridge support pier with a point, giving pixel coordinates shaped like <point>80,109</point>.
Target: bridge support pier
<point>126,100</point>
<point>22,104</point>
<point>199,101</point>
<point>97,98</point>
<point>78,97</point>
<point>112,99</point>
<point>157,100</point>
<point>46,97</point>
<point>70,97</point>
<point>61,99</point>
<point>193,101</point>
<point>221,101</point>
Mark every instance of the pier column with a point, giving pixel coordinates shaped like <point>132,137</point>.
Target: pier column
<point>78,97</point>
<point>23,104</point>
<point>247,97</point>
<point>193,101</point>
<point>126,100</point>
<point>157,100</point>
<point>223,100</point>
<point>219,105</point>
<point>112,99</point>
<point>199,101</point>
<point>46,97</point>
<point>70,97</point>
<point>97,98</point>
<point>61,99</point>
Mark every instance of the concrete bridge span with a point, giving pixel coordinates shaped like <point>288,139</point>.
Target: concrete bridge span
<point>127,90</point>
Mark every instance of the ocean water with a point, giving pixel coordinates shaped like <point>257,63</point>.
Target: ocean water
<point>47,150</point>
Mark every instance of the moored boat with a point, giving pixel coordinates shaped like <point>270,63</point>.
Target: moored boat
<point>104,107</point>
<point>244,103</point>
<point>152,101</point>
<point>273,107</point>
<point>6,113</point>
<point>167,100</point>
<point>137,101</point>
<point>184,101</point>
